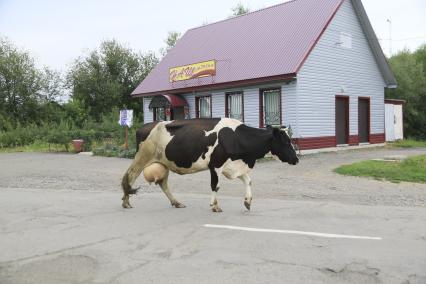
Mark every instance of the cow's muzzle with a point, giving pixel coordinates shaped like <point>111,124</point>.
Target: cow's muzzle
<point>295,161</point>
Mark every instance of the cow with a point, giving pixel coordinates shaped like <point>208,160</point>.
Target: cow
<point>221,145</point>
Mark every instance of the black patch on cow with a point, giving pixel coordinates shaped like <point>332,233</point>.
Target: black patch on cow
<point>189,140</point>
<point>245,143</point>
<point>143,132</point>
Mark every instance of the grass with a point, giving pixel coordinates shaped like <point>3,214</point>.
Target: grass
<point>412,170</point>
<point>37,146</point>
<point>408,143</point>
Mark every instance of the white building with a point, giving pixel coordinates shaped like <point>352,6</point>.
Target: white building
<point>315,65</point>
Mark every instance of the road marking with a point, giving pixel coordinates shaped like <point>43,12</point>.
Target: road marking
<point>314,234</point>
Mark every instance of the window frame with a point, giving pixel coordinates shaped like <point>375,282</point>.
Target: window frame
<point>197,106</point>
<point>227,95</point>
<point>261,111</point>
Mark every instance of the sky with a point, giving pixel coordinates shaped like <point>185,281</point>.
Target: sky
<point>56,32</point>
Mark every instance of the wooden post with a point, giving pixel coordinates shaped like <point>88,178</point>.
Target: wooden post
<point>126,141</point>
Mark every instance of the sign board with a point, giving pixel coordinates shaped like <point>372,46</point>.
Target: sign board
<point>191,71</point>
<point>126,117</point>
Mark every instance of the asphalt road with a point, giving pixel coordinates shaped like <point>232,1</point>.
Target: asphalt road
<point>61,221</point>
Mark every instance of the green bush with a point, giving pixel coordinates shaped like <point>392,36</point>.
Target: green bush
<point>92,132</point>
<point>111,150</point>
<point>20,136</point>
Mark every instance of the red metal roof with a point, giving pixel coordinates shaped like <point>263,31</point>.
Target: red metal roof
<point>267,43</point>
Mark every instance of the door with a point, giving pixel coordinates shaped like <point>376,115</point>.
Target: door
<point>399,132</point>
<point>389,122</point>
<point>363,120</point>
<point>342,120</point>
<point>178,113</point>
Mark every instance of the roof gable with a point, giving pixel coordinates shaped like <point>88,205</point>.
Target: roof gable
<point>266,44</point>
<point>374,44</point>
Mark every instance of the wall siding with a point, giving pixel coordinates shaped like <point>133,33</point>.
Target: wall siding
<point>190,98</point>
<point>289,106</point>
<point>251,107</point>
<point>333,70</point>
<point>218,104</point>
<point>148,115</point>
<point>251,103</point>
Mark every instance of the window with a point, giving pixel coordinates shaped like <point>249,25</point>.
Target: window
<point>345,40</point>
<point>159,114</point>
<point>203,107</point>
<point>270,102</point>
<point>234,106</point>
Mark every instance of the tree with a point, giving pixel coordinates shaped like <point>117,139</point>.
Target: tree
<point>23,87</point>
<point>171,40</point>
<point>410,73</point>
<point>105,78</point>
<point>239,10</point>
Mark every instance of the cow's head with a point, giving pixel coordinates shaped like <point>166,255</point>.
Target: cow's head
<point>281,146</point>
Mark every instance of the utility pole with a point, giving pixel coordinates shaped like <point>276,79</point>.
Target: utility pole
<point>390,37</point>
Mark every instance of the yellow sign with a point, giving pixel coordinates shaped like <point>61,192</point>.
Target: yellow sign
<point>191,71</point>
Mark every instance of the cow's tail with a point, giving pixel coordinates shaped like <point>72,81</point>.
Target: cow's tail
<point>129,178</point>
<point>127,188</point>
<point>142,158</point>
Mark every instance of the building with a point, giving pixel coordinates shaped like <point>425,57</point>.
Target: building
<point>315,65</point>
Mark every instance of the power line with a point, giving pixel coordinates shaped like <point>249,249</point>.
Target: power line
<point>408,38</point>
<point>384,39</point>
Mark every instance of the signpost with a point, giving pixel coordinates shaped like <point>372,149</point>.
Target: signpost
<point>126,120</point>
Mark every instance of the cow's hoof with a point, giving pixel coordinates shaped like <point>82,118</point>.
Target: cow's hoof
<point>247,205</point>
<point>179,205</point>
<point>126,202</point>
<point>126,205</point>
<point>216,209</point>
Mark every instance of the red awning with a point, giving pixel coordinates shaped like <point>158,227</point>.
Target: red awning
<point>175,100</point>
<point>167,101</point>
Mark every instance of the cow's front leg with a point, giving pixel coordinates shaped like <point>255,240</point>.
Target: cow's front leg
<point>165,187</point>
<point>214,185</point>
<point>247,182</point>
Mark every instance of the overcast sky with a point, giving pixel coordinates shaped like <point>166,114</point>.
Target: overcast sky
<point>56,32</point>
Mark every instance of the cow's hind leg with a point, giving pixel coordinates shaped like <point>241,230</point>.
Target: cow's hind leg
<point>165,187</point>
<point>214,182</point>
<point>247,182</point>
<point>141,159</point>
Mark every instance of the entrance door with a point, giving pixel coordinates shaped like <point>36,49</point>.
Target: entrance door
<point>178,113</point>
<point>342,120</point>
<point>399,132</point>
<point>363,120</point>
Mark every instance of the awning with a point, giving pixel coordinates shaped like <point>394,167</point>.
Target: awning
<point>167,101</point>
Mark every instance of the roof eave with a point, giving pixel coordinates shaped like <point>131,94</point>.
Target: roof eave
<point>224,85</point>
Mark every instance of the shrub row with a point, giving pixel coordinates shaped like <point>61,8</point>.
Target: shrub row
<point>110,150</point>
<point>64,132</point>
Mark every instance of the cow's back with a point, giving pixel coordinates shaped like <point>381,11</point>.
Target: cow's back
<point>184,146</point>
<point>190,141</point>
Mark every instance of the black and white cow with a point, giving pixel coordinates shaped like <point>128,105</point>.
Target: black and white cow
<point>223,146</point>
